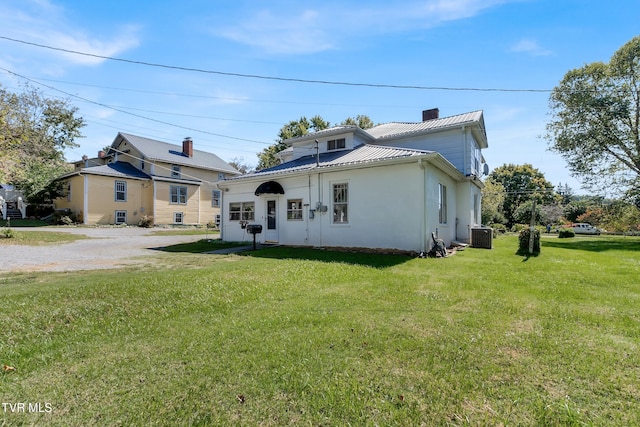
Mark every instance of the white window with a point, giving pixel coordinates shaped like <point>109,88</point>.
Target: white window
<point>336,144</point>
<point>68,192</point>
<point>294,209</point>
<point>340,203</point>
<point>175,171</point>
<point>215,198</point>
<point>178,195</point>
<point>178,217</point>
<point>442,203</point>
<point>121,217</point>
<point>476,209</point>
<point>121,191</point>
<point>241,211</point>
<point>218,220</point>
<point>220,176</point>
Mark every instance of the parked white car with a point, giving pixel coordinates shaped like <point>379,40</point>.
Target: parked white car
<point>584,228</point>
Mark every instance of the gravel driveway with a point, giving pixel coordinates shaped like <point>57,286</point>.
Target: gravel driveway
<point>106,248</point>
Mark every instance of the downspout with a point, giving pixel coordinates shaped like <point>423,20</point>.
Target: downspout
<point>221,211</point>
<point>308,213</point>
<point>199,203</point>
<point>423,227</point>
<point>85,207</point>
<point>319,212</point>
<point>155,218</point>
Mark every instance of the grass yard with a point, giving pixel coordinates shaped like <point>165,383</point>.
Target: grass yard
<point>35,238</point>
<point>308,337</point>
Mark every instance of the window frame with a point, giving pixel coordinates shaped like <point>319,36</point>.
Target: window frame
<point>178,196</point>
<point>246,211</point>
<point>176,171</point>
<point>122,191</point>
<point>442,203</point>
<point>116,217</point>
<point>215,198</point>
<point>175,217</point>
<point>294,210</point>
<point>336,144</point>
<point>340,206</point>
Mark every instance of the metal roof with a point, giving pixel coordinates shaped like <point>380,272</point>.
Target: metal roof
<point>362,154</point>
<point>398,130</point>
<point>116,169</point>
<point>172,153</point>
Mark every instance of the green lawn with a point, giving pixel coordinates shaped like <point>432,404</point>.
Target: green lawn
<point>36,237</point>
<point>286,336</point>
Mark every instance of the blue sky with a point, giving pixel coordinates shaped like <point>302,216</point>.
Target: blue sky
<point>445,44</point>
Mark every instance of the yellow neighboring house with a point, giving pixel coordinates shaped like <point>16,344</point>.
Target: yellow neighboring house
<point>141,177</point>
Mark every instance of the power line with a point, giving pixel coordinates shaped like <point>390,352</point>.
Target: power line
<point>263,77</point>
<point>223,98</point>
<point>133,114</point>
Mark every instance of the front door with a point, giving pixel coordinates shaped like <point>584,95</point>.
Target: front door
<point>271,234</point>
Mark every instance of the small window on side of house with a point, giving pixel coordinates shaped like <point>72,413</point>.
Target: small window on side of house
<point>215,198</point>
<point>68,192</point>
<point>241,211</point>
<point>175,171</point>
<point>178,217</point>
<point>121,191</point>
<point>442,203</point>
<point>341,203</point>
<point>121,217</point>
<point>336,144</point>
<point>178,195</point>
<point>294,209</point>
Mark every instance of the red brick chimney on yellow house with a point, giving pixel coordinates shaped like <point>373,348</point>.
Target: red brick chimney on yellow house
<point>187,147</point>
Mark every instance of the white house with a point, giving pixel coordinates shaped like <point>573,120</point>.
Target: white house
<point>388,187</point>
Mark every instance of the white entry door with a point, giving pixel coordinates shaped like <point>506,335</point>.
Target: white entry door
<point>271,234</point>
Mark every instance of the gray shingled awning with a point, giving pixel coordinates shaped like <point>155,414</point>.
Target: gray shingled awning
<point>269,187</point>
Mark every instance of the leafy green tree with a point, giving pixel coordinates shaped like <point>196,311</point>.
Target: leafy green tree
<point>34,132</point>
<point>363,122</point>
<point>522,183</point>
<point>575,208</point>
<point>522,214</point>
<point>296,128</point>
<point>595,123</point>
<point>493,195</point>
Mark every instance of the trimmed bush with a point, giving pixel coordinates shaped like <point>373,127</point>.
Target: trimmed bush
<point>566,233</point>
<point>146,221</point>
<point>523,240</point>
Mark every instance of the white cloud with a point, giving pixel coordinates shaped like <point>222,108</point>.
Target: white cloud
<point>274,33</point>
<point>43,22</point>
<point>531,47</point>
<point>306,31</point>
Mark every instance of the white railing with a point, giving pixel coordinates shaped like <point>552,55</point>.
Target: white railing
<point>3,208</point>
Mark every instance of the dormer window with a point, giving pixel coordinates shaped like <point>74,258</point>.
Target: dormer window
<point>175,171</point>
<point>336,144</point>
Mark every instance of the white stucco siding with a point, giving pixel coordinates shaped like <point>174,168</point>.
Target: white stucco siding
<point>469,200</point>
<point>384,208</point>
<point>395,206</point>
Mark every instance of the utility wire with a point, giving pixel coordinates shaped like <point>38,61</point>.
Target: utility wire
<point>263,77</point>
<point>130,113</point>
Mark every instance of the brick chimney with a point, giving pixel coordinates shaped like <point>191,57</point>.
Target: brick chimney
<point>187,147</point>
<point>431,114</point>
